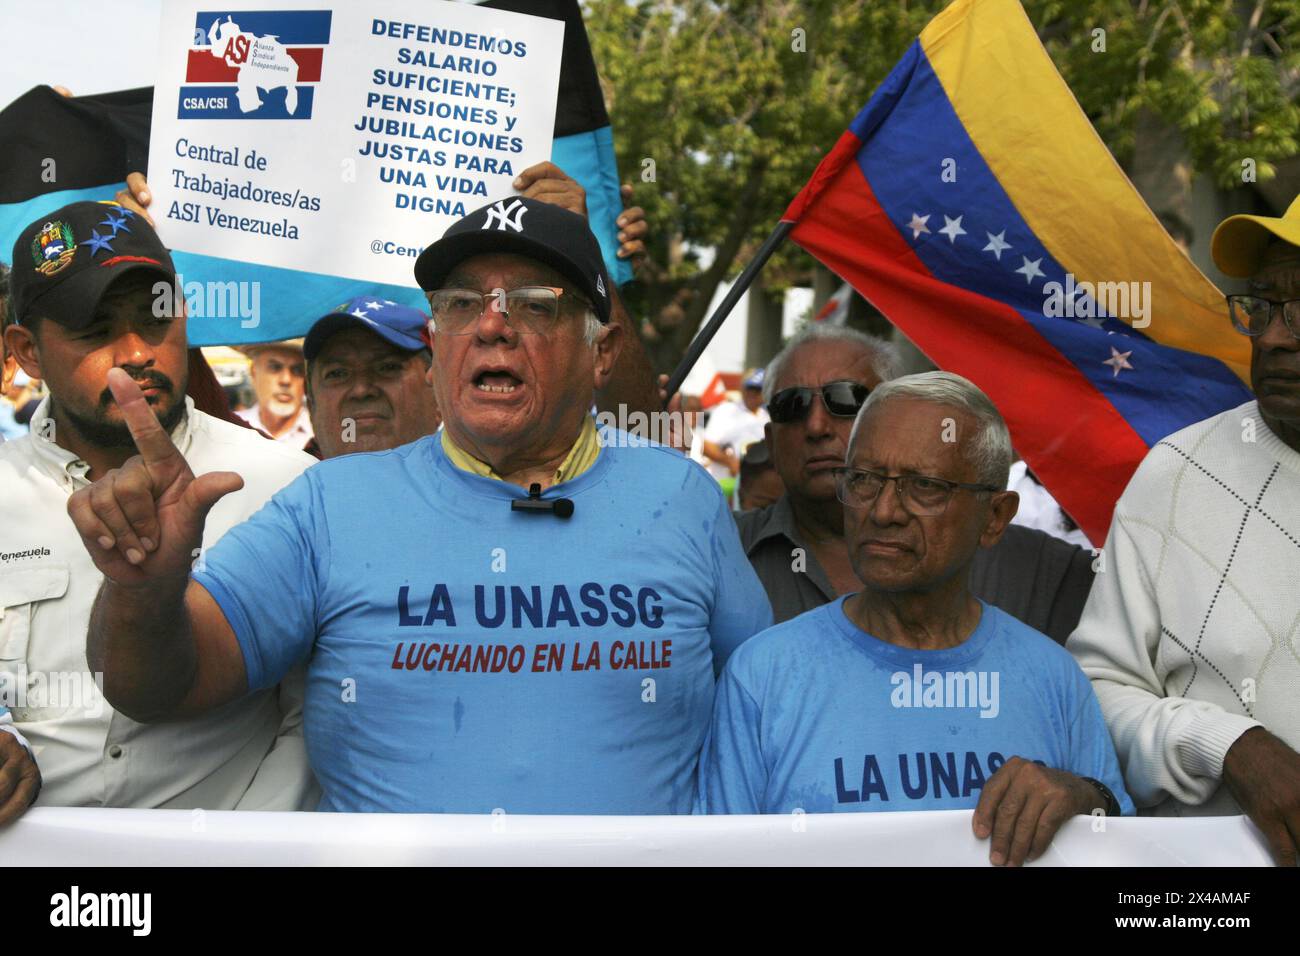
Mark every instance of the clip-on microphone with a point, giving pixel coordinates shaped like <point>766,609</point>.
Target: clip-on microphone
<point>560,507</point>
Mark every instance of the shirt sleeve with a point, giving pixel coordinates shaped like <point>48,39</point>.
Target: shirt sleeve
<point>1071,595</point>
<point>733,774</point>
<point>740,605</point>
<point>267,576</point>
<point>7,727</point>
<point>1168,745</point>
<point>1092,753</point>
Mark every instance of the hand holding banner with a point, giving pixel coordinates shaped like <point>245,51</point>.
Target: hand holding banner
<point>342,141</point>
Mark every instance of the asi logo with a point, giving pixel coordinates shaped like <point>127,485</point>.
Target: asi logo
<point>254,64</point>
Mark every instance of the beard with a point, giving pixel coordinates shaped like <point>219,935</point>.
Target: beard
<point>282,409</point>
<point>102,432</point>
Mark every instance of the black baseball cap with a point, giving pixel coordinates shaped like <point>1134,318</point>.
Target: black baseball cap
<point>529,227</point>
<point>64,262</point>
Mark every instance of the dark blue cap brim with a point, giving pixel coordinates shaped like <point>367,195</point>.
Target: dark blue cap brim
<point>333,322</point>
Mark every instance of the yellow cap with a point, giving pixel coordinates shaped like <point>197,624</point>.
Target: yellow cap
<point>1239,242</point>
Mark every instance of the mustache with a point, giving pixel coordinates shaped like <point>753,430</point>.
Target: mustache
<point>362,408</point>
<point>144,379</point>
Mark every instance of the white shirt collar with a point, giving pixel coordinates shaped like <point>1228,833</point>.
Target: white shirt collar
<point>57,460</point>
<point>298,435</point>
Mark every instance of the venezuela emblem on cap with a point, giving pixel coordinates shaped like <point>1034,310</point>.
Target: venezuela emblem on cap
<point>53,247</point>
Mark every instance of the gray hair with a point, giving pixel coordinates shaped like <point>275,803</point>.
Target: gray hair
<point>884,357</point>
<point>989,449</point>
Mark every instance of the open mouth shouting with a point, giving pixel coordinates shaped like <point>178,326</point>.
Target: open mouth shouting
<point>497,380</point>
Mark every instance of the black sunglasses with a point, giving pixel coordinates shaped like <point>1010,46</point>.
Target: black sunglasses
<point>842,399</point>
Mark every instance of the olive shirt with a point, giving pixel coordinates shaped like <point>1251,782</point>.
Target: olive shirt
<point>1036,578</point>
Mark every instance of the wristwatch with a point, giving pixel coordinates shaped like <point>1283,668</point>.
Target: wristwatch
<point>1112,805</point>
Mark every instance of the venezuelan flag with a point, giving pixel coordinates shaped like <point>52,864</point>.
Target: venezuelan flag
<point>972,202</point>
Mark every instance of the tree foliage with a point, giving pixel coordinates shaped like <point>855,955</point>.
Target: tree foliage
<point>1225,74</point>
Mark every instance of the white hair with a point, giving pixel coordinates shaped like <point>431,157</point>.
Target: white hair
<point>989,449</point>
<point>884,357</point>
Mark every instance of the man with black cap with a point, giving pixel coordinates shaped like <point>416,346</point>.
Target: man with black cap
<point>1189,635</point>
<point>85,299</point>
<point>518,613</point>
<point>369,378</point>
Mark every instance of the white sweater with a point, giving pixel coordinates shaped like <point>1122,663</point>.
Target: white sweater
<point>1191,634</point>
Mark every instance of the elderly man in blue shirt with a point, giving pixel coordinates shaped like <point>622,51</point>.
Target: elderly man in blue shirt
<point>517,613</point>
<point>912,694</point>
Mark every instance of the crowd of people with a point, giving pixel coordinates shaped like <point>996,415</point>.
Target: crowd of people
<point>426,580</point>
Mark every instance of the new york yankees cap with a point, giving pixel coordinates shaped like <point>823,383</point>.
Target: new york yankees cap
<point>526,227</point>
<point>64,262</point>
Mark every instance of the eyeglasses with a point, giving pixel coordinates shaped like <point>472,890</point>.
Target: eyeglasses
<point>1251,314</point>
<point>842,399</point>
<point>534,309</point>
<point>922,495</point>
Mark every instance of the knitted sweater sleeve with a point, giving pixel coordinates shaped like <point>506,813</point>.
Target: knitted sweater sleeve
<point>1168,745</point>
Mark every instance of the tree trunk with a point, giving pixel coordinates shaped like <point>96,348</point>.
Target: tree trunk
<point>824,285</point>
<point>865,317</point>
<point>763,324</point>
<point>1162,174</point>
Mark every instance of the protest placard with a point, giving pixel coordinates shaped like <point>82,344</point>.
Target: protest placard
<point>342,140</point>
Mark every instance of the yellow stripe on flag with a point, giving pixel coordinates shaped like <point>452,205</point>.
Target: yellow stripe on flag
<point>1033,135</point>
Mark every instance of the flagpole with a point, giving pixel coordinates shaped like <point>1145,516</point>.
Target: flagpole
<point>738,288</point>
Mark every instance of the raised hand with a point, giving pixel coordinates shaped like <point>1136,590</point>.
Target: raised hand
<point>144,521</point>
<point>136,196</point>
<point>632,230</point>
<point>549,183</point>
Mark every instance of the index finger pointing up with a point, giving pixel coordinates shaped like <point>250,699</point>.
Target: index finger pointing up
<point>154,444</point>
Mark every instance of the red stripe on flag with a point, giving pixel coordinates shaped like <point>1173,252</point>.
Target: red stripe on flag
<point>203,67</point>
<point>842,154</point>
<point>1069,433</point>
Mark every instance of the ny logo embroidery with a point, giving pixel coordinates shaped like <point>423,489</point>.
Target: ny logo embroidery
<point>506,216</point>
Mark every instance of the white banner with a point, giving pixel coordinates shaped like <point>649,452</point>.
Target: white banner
<point>342,138</point>
<point>51,836</point>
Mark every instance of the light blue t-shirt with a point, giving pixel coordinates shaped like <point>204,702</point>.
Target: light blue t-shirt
<point>465,657</point>
<point>815,714</point>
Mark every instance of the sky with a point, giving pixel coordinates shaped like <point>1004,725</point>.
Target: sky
<point>87,46</point>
